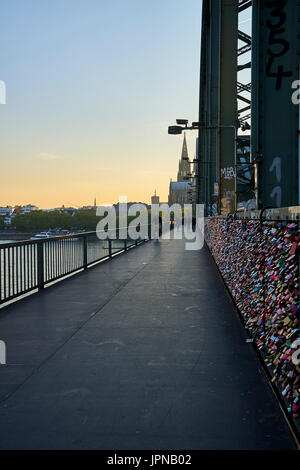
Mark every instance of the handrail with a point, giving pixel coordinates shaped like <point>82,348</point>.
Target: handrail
<point>30,265</point>
<point>62,237</point>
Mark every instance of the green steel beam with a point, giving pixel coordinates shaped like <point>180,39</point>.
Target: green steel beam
<point>228,105</point>
<point>209,100</point>
<point>218,103</point>
<point>201,197</point>
<point>275,119</point>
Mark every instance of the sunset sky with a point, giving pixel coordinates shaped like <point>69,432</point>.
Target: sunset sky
<point>92,86</point>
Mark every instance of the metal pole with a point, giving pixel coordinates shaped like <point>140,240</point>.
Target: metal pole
<point>40,265</point>
<point>84,252</point>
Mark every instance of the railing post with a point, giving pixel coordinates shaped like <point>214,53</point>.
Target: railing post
<point>40,265</point>
<point>109,248</point>
<point>84,252</point>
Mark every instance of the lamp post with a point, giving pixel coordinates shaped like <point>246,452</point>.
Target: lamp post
<point>182,125</point>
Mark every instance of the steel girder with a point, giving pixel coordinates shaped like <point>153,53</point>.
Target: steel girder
<point>275,118</point>
<point>218,103</point>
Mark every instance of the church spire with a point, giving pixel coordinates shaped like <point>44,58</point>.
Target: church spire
<point>184,152</point>
<point>184,166</point>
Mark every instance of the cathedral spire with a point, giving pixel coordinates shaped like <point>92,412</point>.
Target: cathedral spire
<point>184,166</point>
<point>184,152</point>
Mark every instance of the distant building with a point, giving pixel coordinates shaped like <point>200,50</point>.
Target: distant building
<point>179,190</point>
<point>6,214</point>
<point>6,211</point>
<point>129,204</point>
<point>28,208</point>
<point>155,198</point>
<point>69,210</point>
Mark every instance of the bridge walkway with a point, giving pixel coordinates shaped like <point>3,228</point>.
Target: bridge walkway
<point>143,352</point>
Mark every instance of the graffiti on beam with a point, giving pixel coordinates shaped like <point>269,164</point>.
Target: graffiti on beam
<point>228,173</point>
<point>279,46</point>
<point>276,192</point>
<point>227,201</point>
<point>227,192</point>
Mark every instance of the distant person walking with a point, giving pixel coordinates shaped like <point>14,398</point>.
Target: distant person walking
<point>160,225</point>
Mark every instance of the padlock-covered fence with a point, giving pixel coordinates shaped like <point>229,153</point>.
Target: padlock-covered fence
<point>259,262</point>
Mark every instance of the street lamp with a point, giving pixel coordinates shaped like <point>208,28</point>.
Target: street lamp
<point>182,125</point>
<point>182,122</point>
<point>175,130</point>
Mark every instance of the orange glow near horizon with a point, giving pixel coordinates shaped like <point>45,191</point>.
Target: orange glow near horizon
<point>88,103</point>
<point>51,182</point>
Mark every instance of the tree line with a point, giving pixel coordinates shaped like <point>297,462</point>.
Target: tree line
<point>40,220</point>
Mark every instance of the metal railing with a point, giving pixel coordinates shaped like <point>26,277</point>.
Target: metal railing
<point>30,265</point>
<point>266,213</point>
